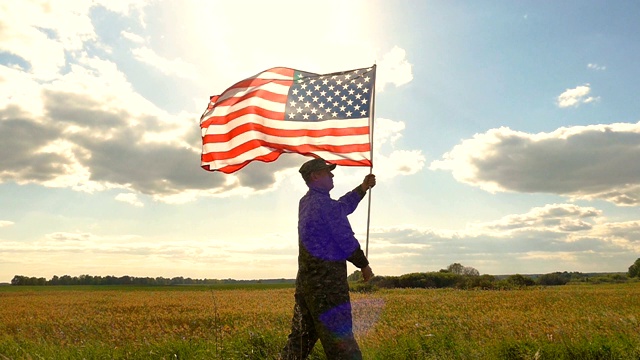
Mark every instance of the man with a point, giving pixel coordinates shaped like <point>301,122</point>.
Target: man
<point>325,239</point>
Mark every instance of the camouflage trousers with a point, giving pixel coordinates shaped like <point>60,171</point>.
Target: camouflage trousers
<point>324,317</point>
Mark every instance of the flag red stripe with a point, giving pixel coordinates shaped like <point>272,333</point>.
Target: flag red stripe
<point>214,138</point>
<point>255,110</point>
<point>306,148</point>
<point>348,162</point>
<point>274,156</point>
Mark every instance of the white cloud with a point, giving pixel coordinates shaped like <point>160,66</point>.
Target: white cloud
<point>130,198</point>
<point>40,32</point>
<point>551,217</point>
<point>17,91</point>
<point>596,67</point>
<point>393,68</point>
<point>576,96</point>
<point>532,242</point>
<point>389,161</point>
<point>44,56</point>
<point>132,37</point>
<point>124,7</point>
<point>583,162</point>
<point>174,67</point>
<point>5,223</point>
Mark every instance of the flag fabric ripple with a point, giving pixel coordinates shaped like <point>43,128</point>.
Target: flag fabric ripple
<point>283,110</point>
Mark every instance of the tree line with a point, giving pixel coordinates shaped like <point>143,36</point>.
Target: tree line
<point>455,276</point>
<point>463,277</point>
<point>130,280</point>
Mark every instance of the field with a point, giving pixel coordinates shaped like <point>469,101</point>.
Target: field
<point>182,322</point>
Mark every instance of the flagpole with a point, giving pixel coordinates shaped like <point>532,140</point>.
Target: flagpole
<point>371,121</point>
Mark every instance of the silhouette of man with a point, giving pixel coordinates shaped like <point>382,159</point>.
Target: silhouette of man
<point>326,241</point>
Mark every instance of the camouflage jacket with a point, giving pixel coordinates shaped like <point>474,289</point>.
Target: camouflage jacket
<point>326,241</point>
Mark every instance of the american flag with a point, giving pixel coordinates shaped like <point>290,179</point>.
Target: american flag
<point>283,110</point>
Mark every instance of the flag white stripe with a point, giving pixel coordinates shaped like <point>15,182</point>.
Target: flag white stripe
<point>287,125</point>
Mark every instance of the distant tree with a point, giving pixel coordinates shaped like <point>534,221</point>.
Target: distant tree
<point>485,282</point>
<point>556,278</point>
<point>356,276</point>
<point>19,280</point>
<point>634,270</point>
<point>459,269</point>
<point>469,271</point>
<point>520,280</point>
<point>86,280</point>
<point>455,268</point>
<point>25,280</point>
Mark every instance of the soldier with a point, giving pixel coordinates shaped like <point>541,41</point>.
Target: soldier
<point>322,306</point>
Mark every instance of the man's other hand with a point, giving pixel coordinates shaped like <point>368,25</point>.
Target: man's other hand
<point>367,273</point>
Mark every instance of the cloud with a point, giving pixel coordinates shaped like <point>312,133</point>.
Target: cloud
<point>132,37</point>
<point>130,198</point>
<point>393,68</point>
<point>31,34</point>
<point>389,161</point>
<point>110,254</point>
<point>576,96</point>
<point>5,223</point>
<point>596,67</point>
<point>581,162</point>
<point>555,237</point>
<point>552,217</point>
<point>123,7</point>
<point>42,33</point>
<point>174,67</point>
<point>76,121</point>
<point>25,162</point>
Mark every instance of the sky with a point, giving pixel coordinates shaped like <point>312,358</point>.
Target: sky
<point>506,135</point>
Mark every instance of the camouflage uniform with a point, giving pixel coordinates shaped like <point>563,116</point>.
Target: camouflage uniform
<point>323,309</point>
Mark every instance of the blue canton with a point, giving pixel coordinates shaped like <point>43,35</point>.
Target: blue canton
<point>342,95</point>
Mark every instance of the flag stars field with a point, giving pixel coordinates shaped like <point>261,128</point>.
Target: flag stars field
<point>336,95</point>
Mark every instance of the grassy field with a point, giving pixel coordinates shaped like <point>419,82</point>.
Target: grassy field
<point>183,322</point>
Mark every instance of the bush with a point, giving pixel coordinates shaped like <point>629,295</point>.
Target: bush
<point>554,279</point>
<point>428,280</point>
<point>634,270</point>
<point>362,287</point>
<point>484,282</point>
<point>518,280</point>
